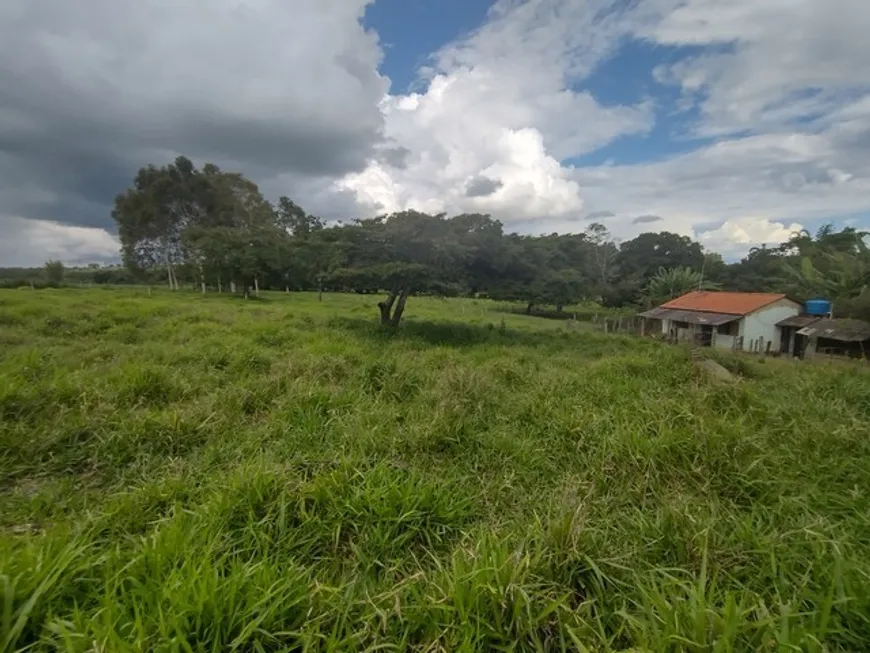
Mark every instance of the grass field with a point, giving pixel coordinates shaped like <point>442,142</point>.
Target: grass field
<point>188,473</point>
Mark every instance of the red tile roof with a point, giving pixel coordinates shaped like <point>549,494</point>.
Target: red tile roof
<point>733,303</point>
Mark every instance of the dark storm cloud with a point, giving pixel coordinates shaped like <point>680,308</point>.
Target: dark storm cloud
<point>645,219</point>
<point>482,186</point>
<point>600,215</point>
<point>395,156</point>
<point>89,93</point>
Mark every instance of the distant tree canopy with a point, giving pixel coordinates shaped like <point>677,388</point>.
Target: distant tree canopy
<point>54,272</point>
<point>214,228</point>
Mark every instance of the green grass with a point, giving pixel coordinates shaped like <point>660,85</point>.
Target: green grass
<point>188,473</point>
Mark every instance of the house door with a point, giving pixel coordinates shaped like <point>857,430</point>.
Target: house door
<point>785,339</point>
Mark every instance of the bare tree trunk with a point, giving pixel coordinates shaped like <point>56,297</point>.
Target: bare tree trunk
<point>256,286</point>
<point>386,306</point>
<point>220,285</point>
<point>169,273</point>
<point>287,289</point>
<point>233,287</point>
<point>400,308</point>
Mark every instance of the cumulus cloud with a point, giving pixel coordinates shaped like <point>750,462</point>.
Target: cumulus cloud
<point>735,236</point>
<point>788,146</point>
<point>500,104</point>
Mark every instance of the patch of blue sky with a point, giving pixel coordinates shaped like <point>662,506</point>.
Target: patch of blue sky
<point>411,31</point>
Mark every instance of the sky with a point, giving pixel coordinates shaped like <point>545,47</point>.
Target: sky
<point>735,123</point>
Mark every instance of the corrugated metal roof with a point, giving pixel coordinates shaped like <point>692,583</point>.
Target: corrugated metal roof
<point>656,313</point>
<point>798,321</point>
<point>691,317</point>
<point>733,303</point>
<point>838,329</point>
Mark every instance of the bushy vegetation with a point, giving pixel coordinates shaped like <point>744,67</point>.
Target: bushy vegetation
<point>210,228</point>
<point>182,472</point>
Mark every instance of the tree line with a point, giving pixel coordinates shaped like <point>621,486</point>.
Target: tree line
<point>214,229</point>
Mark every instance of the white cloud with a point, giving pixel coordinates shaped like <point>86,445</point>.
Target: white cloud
<point>29,243</point>
<point>765,180</point>
<point>508,104</point>
<point>737,235</point>
<point>779,61</point>
<point>499,105</point>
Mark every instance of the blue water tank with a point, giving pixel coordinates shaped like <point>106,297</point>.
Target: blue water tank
<point>817,307</point>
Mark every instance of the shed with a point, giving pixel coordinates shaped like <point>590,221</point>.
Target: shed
<point>838,336</point>
<point>792,341</point>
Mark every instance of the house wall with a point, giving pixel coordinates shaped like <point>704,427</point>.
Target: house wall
<point>722,341</point>
<point>682,334</point>
<point>719,341</point>
<point>762,323</point>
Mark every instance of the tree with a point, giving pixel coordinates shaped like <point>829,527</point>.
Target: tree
<point>153,215</point>
<point>400,279</point>
<point>844,276</point>
<point>215,224</point>
<point>560,288</point>
<point>644,256</point>
<point>215,227</point>
<point>834,265</point>
<point>54,272</point>
<point>670,283</point>
<point>414,247</point>
<point>759,271</point>
<point>293,218</point>
<point>604,251</point>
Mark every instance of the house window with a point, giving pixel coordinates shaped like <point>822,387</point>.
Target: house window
<point>729,328</point>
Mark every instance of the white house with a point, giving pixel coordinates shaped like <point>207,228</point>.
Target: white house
<point>727,320</point>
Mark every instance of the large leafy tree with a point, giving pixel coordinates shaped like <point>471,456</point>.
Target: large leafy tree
<point>409,249</point>
<point>761,270</point>
<point>153,215</point>
<point>644,256</point>
<point>293,218</point>
<point>209,221</point>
